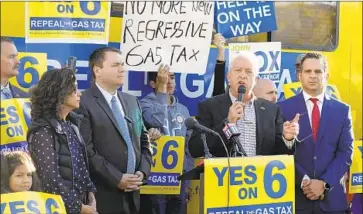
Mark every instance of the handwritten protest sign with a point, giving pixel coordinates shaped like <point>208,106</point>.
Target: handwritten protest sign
<point>176,33</point>
<point>67,22</point>
<point>238,18</point>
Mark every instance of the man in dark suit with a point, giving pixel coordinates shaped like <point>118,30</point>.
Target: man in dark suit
<point>258,120</point>
<point>117,143</point>
<point>323,153</point>
<point>9,68</point>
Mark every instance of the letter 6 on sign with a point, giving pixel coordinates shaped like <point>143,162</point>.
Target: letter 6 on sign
<point>85,7</point>
<point>32,67</point>
<point>269,179</point>
<point>169,151</point>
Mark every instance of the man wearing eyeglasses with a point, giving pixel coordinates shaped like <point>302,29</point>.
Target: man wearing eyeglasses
<point>323,148</point>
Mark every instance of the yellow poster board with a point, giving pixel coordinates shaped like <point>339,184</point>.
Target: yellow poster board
<point>32,67</point>
<point>166,166</point>
<point>260,184</point>
<point>31,202</point>
<point>356,171</point>
<point>67,22</point>
<point>15,118</point>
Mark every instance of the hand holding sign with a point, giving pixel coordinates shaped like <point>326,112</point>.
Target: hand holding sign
<point>162,78</point>
<point>219,41</point>
<point>291,129</point>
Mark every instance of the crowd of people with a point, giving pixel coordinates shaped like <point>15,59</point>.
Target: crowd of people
<point>93,149</point>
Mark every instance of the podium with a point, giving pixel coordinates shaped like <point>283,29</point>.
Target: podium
<point>196,174</point>
<point>256,184</point>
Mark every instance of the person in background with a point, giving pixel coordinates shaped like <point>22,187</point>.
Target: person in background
<point>323,149</point>
<point>9,68</point>
<point>117,141</point>
<point>18,173</point>
<point>162,110</point>
<point>298,66</point>
<point>55,143</point>
<point>265,89</point>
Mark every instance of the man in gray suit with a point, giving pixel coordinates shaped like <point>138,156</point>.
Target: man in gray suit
<point>117,142</point>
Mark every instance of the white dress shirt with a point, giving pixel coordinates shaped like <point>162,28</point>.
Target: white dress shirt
<point>108,96</point>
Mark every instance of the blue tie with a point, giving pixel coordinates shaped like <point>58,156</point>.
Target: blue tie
<point>6,94</point>
<point>125,134</point>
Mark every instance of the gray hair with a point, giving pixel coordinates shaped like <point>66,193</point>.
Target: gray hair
<point>250,56</point>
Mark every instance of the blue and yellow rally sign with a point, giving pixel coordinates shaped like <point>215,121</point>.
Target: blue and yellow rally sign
<point>67,22</point>
<point>356,171</point>
<point>15,118</point>
<point>261,184</point>
<point>32,67</point>
<point>31,202</point>
<point>292,89</point>
<point>166,166</point>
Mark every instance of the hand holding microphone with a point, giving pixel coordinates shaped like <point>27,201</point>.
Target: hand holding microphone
<point>236,110</point>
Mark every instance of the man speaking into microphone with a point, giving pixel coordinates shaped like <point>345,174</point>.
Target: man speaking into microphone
<point>259,121</point>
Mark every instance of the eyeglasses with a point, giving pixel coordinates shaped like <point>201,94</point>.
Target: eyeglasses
<point>302,140</point>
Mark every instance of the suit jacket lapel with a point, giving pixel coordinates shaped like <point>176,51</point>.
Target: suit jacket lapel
<point>100,99</point>
<point>325,113</point>
<point>260,113</point>
<point>226,102</point>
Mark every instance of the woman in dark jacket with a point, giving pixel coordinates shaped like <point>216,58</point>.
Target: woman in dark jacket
<point>55,143</point>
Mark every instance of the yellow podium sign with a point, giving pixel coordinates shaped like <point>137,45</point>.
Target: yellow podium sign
<point>261,184</point>
<point>31,202</point>
<point>356,172</point>
<point>166,166</point>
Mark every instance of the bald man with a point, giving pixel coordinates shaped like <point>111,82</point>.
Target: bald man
<point>265,89</point>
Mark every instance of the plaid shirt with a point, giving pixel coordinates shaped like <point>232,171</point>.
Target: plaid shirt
<point>247,127</point>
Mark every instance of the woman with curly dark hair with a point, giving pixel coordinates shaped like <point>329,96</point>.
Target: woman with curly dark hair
<point>55,143</point>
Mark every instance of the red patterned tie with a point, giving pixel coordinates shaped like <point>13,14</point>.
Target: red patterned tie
<point>315,118</point>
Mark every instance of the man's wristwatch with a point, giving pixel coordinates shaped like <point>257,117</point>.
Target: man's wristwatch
<point>326,186</point>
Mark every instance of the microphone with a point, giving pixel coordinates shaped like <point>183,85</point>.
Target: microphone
<point>231,132</point>
<point>241,92</point>
<point>192,123</point>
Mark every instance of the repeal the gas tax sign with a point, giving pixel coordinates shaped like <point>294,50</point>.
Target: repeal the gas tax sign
<point>356,172</point>
<point>15,118</point>
<point>67,22</point>
<point>261,184</point>
<point>167,165</point>
<point>31,202</point>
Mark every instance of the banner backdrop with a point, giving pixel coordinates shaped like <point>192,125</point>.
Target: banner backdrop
<point>15,118</point>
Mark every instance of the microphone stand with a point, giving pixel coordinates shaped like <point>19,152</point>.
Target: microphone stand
<point>207,154</point>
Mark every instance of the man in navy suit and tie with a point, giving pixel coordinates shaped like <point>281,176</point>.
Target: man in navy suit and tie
<point>323,148</point>
<point>9,68</point>
<point>117,143</point>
